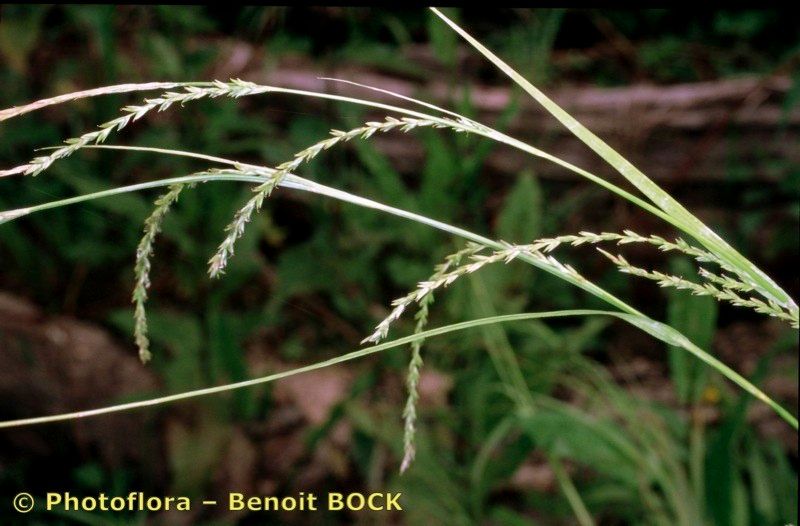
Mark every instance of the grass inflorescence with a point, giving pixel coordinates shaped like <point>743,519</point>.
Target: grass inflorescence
<point>144,252</point>
<point>235,89</point>
<point>738,281</point>
<point>415,363</point>
<point>236,228</point>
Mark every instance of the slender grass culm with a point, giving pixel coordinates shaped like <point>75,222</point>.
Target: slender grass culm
<point>722,273</point>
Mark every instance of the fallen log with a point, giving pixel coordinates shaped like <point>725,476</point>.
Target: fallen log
<point>674,133</point>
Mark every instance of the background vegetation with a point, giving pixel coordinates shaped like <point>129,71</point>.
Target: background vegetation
<point>626,431</point>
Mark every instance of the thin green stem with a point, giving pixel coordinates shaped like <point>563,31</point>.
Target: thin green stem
<point>690,224</point>
<point>674,213</point>
<point>571,492</point>
<point>326,363</point>
<point>653,327</point>
<point>491,133</point>
<point>10,215</point>
<point>16,111</point>
<point>468,125</point>
<point>296,182</point>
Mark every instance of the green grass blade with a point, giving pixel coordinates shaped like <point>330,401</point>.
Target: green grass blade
<point>285,374</point>
<point>685,219</point>
<point>656,329</point>
<point>629,314</point>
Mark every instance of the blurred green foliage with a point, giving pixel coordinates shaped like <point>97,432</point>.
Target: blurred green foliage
<point>308,276</point>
